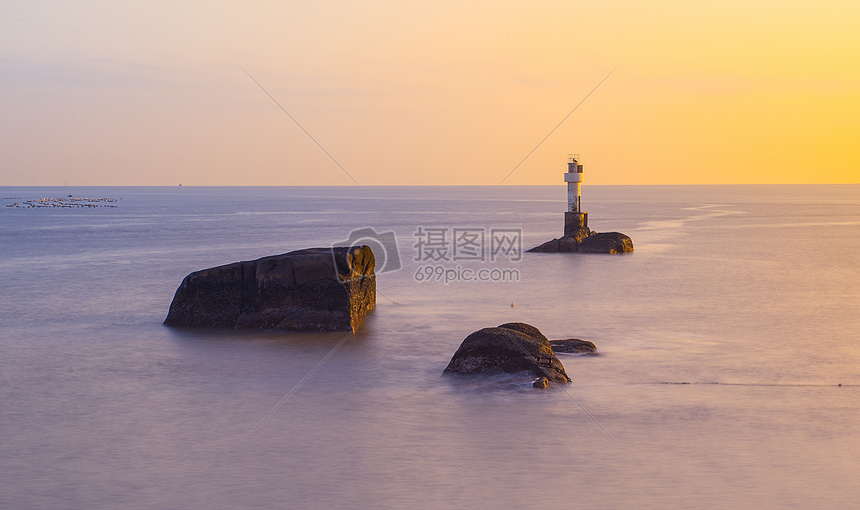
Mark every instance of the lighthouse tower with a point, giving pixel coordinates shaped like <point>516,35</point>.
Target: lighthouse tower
<point>574,219</point>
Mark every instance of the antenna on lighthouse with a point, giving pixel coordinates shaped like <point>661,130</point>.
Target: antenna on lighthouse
<point>574,218</point>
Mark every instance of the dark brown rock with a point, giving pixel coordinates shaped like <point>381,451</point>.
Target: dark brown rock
<point>510,348</point>
<point>541,383</point>
<point>573,346</point>
<point>550,246</point>
<point>524,328</point>
<point>317,289</point>
<point>579,235</point>
<point>586,240</point>
<point>567,244</point>
<point>605,242</point>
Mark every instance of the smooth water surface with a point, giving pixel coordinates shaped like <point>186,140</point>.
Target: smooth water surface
<point>724,337</point>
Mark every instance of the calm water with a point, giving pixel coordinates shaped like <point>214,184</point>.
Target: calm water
<point>751,294</point>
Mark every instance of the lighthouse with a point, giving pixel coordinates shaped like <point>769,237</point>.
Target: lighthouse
<point>577,236</point>
<point>574,218</point>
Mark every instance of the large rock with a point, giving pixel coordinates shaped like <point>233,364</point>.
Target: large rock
<point>587,241</point>
<point>317,289</point>
<point>511,348</point>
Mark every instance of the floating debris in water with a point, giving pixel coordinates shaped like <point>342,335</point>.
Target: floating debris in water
<point>66,202</point>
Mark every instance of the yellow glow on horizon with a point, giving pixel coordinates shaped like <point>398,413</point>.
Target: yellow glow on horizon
<point>411,93</point>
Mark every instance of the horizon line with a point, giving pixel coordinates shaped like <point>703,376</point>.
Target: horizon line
<point>409,185</point>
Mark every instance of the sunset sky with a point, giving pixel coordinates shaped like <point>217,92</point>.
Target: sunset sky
<point>410,93</point>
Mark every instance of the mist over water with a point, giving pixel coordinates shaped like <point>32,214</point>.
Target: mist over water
<point>724,339</point>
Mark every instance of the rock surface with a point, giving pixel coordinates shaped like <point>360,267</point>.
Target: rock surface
<point>317,289</point>
<point>587,241</point>
<point>605,242</point>
<point>511,348</point>
<point>574,346</point>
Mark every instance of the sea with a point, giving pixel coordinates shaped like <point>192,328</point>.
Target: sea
<point>728,373</point>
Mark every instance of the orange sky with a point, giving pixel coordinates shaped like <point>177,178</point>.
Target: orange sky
<point>407,93</point>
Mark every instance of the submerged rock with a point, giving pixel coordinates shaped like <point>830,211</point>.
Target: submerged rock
<point>317,289</point>
<point>511,348</point>
<point>541,383</point>
<point>574,346</point>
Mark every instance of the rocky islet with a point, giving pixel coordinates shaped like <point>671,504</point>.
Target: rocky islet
<point>316,289</point>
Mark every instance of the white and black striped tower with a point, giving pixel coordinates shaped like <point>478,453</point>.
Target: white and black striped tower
<point>574,219</point>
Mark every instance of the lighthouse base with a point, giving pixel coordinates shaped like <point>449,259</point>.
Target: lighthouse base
<point>578,238</point>
<point>575,222</point>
